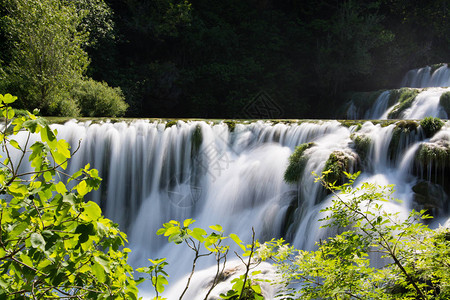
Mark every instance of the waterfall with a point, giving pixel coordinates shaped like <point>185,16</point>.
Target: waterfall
<point>429,84</point>
<point>201,170</point>
<point>426,77</point>
<point>153,172</point>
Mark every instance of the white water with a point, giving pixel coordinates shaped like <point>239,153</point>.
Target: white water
<point>152,175</point>
<point>421,78</point>
<point>426,104</point>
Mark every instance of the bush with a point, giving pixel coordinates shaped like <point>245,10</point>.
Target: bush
<point>53,243</point>
<point>431,125</point>
<point>444,101</point>
<point>97,99</point>
<point>341,268</point>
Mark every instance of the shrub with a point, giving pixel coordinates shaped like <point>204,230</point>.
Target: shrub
<point>97,99</point>
<point>341,267</point>
<point>431,125</point>
<point>444,101</point>
<point>53,243</point>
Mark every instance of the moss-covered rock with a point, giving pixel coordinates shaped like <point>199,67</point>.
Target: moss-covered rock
<point>400,135</point>
<point>362,145</point>
<point>444,101</point>
<point>404,97</point>
<point>297,163</point>
<point>436,154</point>
<point>171,123</point>
<point>431,125</point>
<point>339,162</point>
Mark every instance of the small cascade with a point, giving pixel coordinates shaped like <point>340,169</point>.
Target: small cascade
<point>426,104</point>
<point>419,97</point>
<point>380,108</point>
<point>427,77</point>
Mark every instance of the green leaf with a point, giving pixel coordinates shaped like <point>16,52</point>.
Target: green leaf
<point>15,144</point>
<point>8,98</point>
<point>188,222</point>
<point>82,188</point>
<point>103,261</point>
<point>92,211</point>
<point>37,241</point>
<point>216,228</point>
<point>99,272</point>
<point>49,137</point>
<point>237,240</point>
<point>198,234</point>
<point>157,261</point>
<point>61,188</point>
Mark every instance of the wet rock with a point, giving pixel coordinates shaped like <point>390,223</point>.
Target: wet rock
<point>431,197</point>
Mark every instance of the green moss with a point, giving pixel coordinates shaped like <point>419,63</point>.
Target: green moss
<point>436,154</point>
<point>401,130</point>
<point>338,162</point>
<point>444,101</point>
<point>404,97</point>
<point>362,145</point>
<point>171,123</point>
<point>231,125</point>
<point>349,123</point>
<point>297,163</point>
<point>431,125</point>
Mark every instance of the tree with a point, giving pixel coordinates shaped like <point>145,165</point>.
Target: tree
<point>53,243</point>
<point>416,258</point>
<point>47,51</point>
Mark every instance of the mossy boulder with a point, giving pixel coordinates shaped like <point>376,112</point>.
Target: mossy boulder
<point>431,125</point>
<point>171,123</point>
<point>338,163</point>
<point>444,101</point>
<point>297,163</point>
<point>362,145</point>
<point>400,136</point>
<point>436,154</point>
<point>404,97</point>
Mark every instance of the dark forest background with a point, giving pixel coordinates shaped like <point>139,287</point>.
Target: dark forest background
<point>218,59</point>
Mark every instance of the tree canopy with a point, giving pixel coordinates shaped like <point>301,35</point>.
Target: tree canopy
<point>179,58</point>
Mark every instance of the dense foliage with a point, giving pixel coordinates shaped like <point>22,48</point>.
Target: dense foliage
<point>179,58</point>
<point>53,243</point>
<point>45,55</point>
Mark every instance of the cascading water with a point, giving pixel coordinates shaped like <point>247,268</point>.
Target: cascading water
<point>430,85</point>
<point>198,170</point>
<point>153,174</point>
<point>426,77</point>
